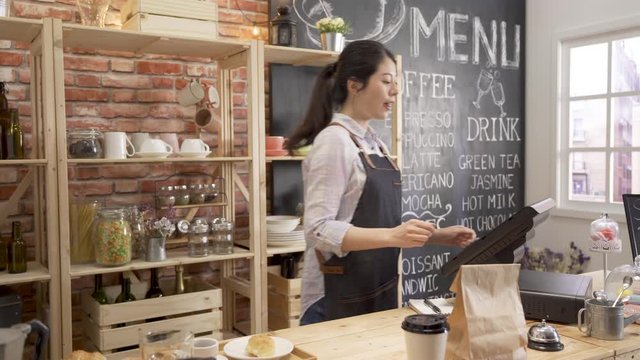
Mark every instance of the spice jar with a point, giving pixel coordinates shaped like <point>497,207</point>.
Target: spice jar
<point>84,144</point>
<point>198,239</point>
<point>181,194</point>
<point>196,194</point>
<point>165,197</point>
<point>112,236</point>
<point>222,231</point>
<point>210,192</point>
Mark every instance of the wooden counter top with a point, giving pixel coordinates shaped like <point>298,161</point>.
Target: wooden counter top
<point>378,336</point>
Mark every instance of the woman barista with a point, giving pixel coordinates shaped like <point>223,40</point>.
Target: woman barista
<point>352,191</point>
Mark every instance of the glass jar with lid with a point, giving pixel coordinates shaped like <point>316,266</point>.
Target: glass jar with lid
<point>196,194</point>
<point>222,233</point>
<point>210,192</point>
<point>112,236</point>
<point>198,239</point>
<point>84,144</point>
<point>82,214</point>
<point>623,283</point>
<point>165,197</point>
<point>182,194</point>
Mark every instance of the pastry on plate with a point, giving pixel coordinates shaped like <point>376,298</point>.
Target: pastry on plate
<point>84,355</point>
<point>261,346</point>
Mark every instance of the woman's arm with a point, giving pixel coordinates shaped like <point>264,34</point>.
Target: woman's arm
<point>413,233</point>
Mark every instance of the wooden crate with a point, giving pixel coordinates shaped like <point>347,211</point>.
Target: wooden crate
<point>197,311</point>
<point>284,299</point>
<point>170,25</point>
<point>188,9</point>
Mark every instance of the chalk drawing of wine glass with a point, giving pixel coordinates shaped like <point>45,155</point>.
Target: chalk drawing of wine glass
<point>485,79</point>
<point>384,26</point>
<point>497,93</point>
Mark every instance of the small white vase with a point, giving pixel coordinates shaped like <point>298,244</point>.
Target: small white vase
<point>332,41</point>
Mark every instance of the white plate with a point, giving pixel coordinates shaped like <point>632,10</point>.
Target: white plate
<point>234,349</point>
<point>282,218</point>
<point>152,155</point>
<point>201,154</point>
<point>286,243</point>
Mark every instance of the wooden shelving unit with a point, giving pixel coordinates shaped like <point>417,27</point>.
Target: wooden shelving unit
<point>229,55</point>
<point>40,176</point>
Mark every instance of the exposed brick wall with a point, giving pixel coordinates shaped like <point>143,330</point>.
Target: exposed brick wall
<point>125,92</point>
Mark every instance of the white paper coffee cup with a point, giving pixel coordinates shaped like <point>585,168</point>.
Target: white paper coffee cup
<point>425,336</point>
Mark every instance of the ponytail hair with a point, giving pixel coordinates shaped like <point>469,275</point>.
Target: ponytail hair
<point>358,61</point>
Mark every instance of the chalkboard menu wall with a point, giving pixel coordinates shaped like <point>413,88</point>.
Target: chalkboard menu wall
<point>463,101</point>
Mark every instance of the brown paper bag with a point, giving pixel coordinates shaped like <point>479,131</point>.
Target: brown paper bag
<point>487,321</point>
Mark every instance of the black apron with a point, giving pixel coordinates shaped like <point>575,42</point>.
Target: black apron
<point>367,281</point>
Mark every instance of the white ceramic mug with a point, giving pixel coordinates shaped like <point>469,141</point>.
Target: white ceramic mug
<point>117,145</point>
<point>155,146</point>
<point>193,146</point>
<point>191,94</point>
<point>170,138</point>
<point>204,347</point>
<point>138,138</point>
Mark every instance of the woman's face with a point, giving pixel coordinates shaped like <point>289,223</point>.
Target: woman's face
<point>376,99</point>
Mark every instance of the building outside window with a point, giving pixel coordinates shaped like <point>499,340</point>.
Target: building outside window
<point>599,121</point>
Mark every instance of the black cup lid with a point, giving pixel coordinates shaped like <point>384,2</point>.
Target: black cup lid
<point>425,324</point>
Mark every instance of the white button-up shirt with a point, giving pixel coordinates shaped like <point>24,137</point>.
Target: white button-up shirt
<point>334,178</point>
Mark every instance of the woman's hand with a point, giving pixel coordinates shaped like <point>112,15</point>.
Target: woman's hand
<point>413,233</point>
<point>457,235</point>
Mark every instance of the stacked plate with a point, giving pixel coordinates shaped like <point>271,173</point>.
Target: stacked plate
<point>284,230</point>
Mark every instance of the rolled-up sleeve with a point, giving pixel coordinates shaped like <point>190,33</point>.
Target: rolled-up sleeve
<point>327,173</point>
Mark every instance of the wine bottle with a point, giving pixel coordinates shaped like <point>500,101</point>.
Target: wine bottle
<point>4,120</point>
<point>17,250</point>
<point>154,289</point>
<point>125,292</point>
<point>16,132</point>
<point>3,254</point>
<point>179,288</point>
<point>8,138</point>
<point>98,292</point>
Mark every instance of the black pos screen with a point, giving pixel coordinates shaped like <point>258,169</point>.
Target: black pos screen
<point>497,246</point>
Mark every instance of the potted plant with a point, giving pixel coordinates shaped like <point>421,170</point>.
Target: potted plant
<point>332,31</point>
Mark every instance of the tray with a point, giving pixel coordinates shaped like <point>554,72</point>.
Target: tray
<point>296,353</point>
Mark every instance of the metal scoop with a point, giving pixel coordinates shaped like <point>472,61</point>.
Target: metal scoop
<point>626,283</point>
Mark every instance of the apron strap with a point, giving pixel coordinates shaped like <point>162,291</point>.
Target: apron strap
<point>364,153</point>
<point>328,269</point>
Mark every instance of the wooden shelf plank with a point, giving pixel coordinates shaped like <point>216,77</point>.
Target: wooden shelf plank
<point>86,37</point>
<point>298,56</point>
<point>17,29</point>
<point>274,250</point>
<point>194,206</point>
<point>284,158</point>
<point>35,272</point>
<point>157,160</point>
<point>174,258</point>
<point>23,161</point>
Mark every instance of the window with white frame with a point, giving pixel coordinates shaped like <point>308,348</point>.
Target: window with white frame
<point>600,120</point>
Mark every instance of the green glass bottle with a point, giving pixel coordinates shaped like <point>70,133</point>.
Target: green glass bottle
<point>8,137</point>
<point>3,254</point>
<point>154,289</point>
<point>17,136</point>
<point>4,119</point>
<point>125,293</point>
<point>17,250</point>
<point>179,287</point>
<point>98,292</point>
